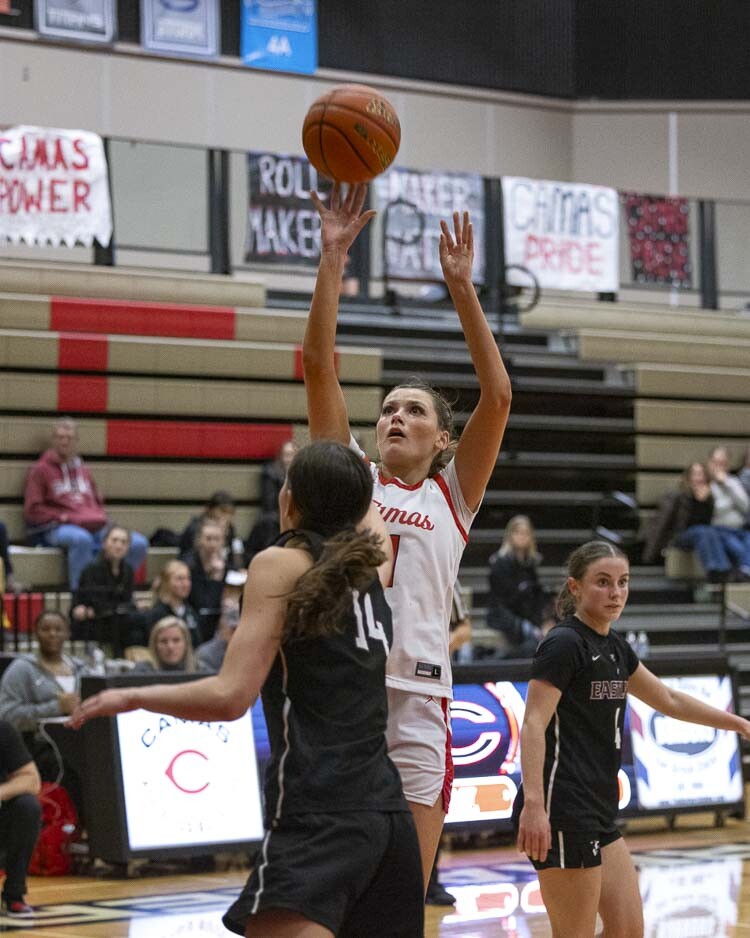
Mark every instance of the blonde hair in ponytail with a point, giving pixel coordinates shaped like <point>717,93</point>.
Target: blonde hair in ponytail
<point>578,563</point>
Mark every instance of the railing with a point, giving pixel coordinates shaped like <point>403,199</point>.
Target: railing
<point>186,208</point>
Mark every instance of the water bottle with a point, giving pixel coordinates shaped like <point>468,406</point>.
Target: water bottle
<point>97,661</point>
<point>642,647</point>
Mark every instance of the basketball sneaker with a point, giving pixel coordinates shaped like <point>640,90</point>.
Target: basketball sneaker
<point>15,908</point>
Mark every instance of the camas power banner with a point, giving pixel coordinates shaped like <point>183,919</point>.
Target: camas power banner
<point>53,187</point>
<point>283,226</point>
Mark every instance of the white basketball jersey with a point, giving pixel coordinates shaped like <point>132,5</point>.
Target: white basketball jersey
<point>429,526</point>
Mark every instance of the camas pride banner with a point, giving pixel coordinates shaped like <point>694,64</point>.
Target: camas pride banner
<point>53,187</point>
<point>566,234</point>
<point>283,226</point>
<point>411,204</point>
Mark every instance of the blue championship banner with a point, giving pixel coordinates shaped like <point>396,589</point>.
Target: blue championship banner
<point>83,20</point>
<point>180,27</point>
<point>281,35</point>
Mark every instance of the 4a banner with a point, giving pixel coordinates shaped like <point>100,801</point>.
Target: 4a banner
<point>83,20</point>
<point>410,204</point>
<point>281,35</point>
<point>283,226</point>
<point>188,28</point>
<point>565,233</point>
<point>54,187</point>
<point>659,234</point>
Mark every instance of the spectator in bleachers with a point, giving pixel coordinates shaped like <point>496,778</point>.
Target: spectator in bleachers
<point>516,599</point>
<point>683,519</point>
<point>172,588</point>
<point>39,686</point>
<point>220,508</point>
<point>208,567</point>
<point>210,655</point>
<point>744,473</point>
<point>7,571</point>
<point>103,609</point>
<point>731,507</point>
<point>266,528</point>
<point>63,508</point>
<point>170,647</point>
<point>20,817</point>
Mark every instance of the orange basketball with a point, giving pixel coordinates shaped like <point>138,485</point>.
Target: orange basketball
<point>351,133</point>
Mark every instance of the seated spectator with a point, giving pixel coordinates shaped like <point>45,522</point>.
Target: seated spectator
<point>170,647</point>
<point>731,509</point>
<point>20,817</point>
<point>63,508</point>
<point>744,473</point>
<point>220,508</point>
<point>210,655</point>
<point>516,600</point>
<point>683,519</point>
<point>102,609</point>
<point>266,529</point>
<point>6,574</point>
<point>208,568</point>
<point>172,588</point>
<point>40,686</point>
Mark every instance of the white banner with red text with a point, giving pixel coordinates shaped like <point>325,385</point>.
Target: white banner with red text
<point>565,233</point>
<point>53,187</point>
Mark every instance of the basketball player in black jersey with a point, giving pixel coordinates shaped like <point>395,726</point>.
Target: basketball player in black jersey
<point>570,751</point>
<point>340,856</point>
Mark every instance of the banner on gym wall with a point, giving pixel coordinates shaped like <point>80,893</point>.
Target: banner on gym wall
<point>281,35</point>
<point>82,20</point>
<point>187,28</point>
<point>410,206</point>
<point>565,233</point>
<point>53,187</point>
<point>659,236</point>
<point>283,226</point>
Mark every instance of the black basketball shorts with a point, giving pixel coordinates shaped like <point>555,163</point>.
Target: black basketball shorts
<point>358,874</point>
<point>572,850</point>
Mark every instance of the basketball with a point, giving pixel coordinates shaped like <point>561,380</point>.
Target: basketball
<point>351,134</point>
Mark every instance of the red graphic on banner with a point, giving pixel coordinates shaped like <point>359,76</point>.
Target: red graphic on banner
<point>659,231</point>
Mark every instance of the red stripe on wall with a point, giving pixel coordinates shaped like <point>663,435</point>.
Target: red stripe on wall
<point>196,439</point>
<point>299,368</point>
<point>83,394</point>
<point>82,352</point>
<point>123,317</point>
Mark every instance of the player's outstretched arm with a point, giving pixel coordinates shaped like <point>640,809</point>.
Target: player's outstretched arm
<point>228,694</point>
<point>481,438</point>
<point>673,703</point>
<point>341,223</point>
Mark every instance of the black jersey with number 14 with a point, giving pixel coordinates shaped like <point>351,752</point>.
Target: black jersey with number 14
<point>326,709</point>
<point>583,738</point>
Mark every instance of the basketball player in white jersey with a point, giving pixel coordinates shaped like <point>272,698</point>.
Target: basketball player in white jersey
<point>428,497</point>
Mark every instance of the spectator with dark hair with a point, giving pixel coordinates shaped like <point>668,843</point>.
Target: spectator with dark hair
<point>516,599</point>
<point>172,589</point>
<point>20,817</point>
<point>210,655</point>
<point>208,567</point>
<point>221,508</point>
<point>102,609</point>
<point>272,476</point>
<point>63,507</point>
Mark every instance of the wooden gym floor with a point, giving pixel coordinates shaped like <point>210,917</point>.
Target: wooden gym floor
<point>695,882</point>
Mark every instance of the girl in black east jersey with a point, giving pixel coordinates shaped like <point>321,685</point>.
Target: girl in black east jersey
<point>570,751</point>
<point>340,856</point>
